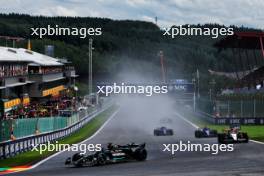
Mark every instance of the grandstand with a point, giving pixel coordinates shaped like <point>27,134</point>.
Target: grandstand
<point>243,102</point>
<point>248,53</point>
<point>33,85</point>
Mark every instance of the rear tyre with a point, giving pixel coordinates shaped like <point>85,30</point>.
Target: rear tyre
<point>77,160</point>
<point>141,154</point>
<point>156,133</point>
<point>197,134</point>
<point>214,133</point>
<point>221,138</point>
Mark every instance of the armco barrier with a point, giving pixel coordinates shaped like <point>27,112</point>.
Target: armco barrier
<point>13,147</point>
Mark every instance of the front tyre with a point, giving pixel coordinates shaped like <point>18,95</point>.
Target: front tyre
<point>101,160</point>
<point>197,134</point>
<point>221,138</point>
<point>243,136</point>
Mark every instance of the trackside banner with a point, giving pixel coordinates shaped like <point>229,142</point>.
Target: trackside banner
<point>242,120</point>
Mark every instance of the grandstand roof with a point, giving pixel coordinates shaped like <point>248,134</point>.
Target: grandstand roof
<point>244,40</point>
<point>255,74</point>
<point>23,55</point>
<point>233,75</point>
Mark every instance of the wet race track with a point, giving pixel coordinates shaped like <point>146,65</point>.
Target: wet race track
<point>135,122</point>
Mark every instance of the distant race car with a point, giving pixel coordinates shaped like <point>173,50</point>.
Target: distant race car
<point>205,133</point>
<point>233,135</point>
<point>163,131</point>
<point>112,154</point>
<point>166,120</point>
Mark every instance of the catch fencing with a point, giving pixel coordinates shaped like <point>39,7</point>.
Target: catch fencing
<point>246,112</point>
<point>232,108</point>
<point>30,126</point>
<point>13,147</point>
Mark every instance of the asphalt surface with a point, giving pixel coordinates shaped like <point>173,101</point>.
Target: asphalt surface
<point>135,123</point>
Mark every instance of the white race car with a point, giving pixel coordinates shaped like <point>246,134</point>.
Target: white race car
<point>233,135</point>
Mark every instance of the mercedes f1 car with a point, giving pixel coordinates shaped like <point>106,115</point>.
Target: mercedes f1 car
<point>163,131</point>
<point>205,133</point>
<point>233,135</point>
<point>112,154</point>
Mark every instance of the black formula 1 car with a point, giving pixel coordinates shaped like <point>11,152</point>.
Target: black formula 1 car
<point>163,131</point>
<point>112,154</point>
<point>232,135</point>
<point>205,133</point>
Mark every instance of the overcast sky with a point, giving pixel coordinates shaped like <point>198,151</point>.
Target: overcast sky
<point>238,12</point>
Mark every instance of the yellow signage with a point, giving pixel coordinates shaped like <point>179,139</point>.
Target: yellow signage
<point>53,91</point>
<point>26,101</point>
<point>12,103</point>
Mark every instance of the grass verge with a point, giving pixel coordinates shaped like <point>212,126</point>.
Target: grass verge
<point>30,157</point>
<point>255,132</point>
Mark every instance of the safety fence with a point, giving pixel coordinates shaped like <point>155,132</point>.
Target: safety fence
<point>30,126</point>
<point>246,112</point>
<point>232,108</point>
<point>13,147</point>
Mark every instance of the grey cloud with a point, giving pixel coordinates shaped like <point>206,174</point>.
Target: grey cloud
<point>169,12</point>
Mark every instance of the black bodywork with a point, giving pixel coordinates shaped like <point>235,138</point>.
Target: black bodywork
<point>115,154</point>
<point>163,131</point>
<point>205,133</point>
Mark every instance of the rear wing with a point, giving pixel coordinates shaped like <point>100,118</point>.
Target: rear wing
<point>235,126</point>
<point>143,145</point>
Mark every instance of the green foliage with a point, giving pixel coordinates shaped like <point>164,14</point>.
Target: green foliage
<point>124,45</point>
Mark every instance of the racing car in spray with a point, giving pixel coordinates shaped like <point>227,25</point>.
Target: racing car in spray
<point>166,120</point>
<point>205,133</point>
<point>163,131</point>
<point>112,154</point>
<point>233,135</point>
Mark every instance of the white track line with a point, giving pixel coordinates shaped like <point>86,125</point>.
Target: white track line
<point>192,124</point>
<point>195,126</point>
<point>55,154</point>
<point>258,142</point>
